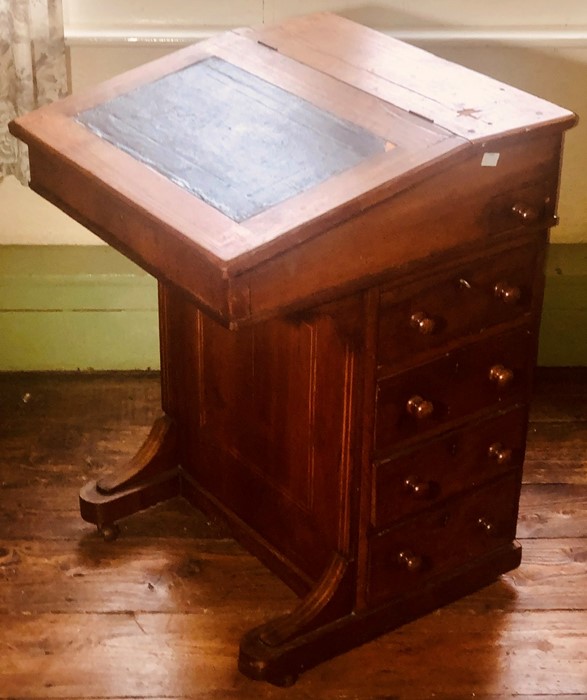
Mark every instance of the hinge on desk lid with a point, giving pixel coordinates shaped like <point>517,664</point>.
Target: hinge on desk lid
<point>267,46</point>
<point>417,114</point>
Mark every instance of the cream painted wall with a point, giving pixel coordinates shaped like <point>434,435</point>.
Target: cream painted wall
<point>537,45</point>
<point>192,15</point>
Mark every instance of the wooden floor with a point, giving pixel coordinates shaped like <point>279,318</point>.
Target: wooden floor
<point>159,613</point>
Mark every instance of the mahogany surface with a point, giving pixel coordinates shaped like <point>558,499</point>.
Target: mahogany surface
<point>159,613</point>
<point>344,335</point>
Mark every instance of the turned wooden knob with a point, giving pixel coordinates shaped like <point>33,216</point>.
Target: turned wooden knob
<point>501,376</point>
<point>410,561</point>
<point>525,212</point>
<point>486,526</point>
<point>419,408</point>
<point>423,323</point>
<point>508,293</point>
<point>419,489</point>
<point>499,453</point>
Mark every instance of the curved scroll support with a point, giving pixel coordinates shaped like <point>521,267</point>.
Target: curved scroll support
<point>275,651</point>
<point>155,455</point>
<point>342,628</point>
<point>311,611</point>
<point>150,477</point>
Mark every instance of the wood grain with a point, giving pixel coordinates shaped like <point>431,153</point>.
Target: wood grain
<point>566,515</point>
<point>145,654</point>
<point>158,614</point>
<point>461,100</point>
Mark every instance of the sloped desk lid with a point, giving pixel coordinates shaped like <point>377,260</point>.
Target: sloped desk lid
<point>208,163</point>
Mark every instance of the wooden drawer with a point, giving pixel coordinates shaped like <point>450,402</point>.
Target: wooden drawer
<point>422,477</point>
<point>443,539</point>
<point>423,316</point>
<point>489,372</point>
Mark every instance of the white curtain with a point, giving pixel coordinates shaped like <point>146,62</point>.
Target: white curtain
<point>32,70</point>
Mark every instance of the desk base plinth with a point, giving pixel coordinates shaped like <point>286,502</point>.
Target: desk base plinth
<point>281,664</point>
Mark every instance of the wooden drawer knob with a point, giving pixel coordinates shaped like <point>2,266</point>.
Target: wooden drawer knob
<point>508,293</point>
<point>410,561</point>
<point>419,408</point>
<point>423,323</point>
<point>420,489</point>
<point>499,453</point>
<point>501,376</point>
<point>524,212</point>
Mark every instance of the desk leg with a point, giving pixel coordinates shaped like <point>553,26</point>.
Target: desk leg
<point>278,650</point>
<point>150,477</point>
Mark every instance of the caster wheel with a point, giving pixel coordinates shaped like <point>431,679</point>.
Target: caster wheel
<point>109,532</point>
<point>284,681</point>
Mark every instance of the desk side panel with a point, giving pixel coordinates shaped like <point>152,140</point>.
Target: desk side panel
<point>268,424</point>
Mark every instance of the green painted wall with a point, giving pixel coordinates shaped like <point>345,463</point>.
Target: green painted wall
<point>563,332</point>
<point>75,307</point>
<point>87,307</point>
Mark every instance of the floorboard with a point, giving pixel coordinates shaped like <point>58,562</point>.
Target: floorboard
<point>159,613</point>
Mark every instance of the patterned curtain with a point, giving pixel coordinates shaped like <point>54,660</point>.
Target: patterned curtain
<point>32,70</point>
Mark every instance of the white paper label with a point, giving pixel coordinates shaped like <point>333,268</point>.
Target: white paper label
<point>489,160</point>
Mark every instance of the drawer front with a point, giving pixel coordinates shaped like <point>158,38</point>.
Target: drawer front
<point>457,461</point>
<point>481,375</point>
<point>443,539</point>
<point>475,296</point>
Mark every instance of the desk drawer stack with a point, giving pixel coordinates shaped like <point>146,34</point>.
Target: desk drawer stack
<point>454,358</point>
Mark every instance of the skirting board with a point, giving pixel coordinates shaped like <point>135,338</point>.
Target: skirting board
<point>68,308</point>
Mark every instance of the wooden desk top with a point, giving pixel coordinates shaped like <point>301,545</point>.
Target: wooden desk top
<point>213,162</point>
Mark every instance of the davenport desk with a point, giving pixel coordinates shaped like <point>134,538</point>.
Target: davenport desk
<point>349,236</point>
